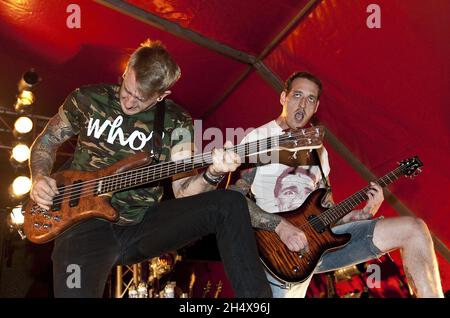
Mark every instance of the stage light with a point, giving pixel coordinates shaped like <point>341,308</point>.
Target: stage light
<point>15,221</point>
<point>23,125</point>
<point>17,217</point>
<point>28,81</point>
<point>21,185</point>
<point>21,153</point>
<point>25,100</point>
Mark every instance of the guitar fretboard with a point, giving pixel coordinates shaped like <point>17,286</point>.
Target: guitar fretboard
<point>335,213</point>
<point>306,138</point>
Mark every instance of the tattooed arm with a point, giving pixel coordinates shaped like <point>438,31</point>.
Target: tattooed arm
<point>190,186</point>
<point>376,197</point>
<point>222,163</point>
<point>260,218</point>
<point>293,237</point>
<point>42,157</point>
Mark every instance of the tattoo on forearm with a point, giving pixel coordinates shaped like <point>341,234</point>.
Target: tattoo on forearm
<point>262,219</point>
<point>43,151</point>
<point>183,190</point>
<point>42,158</point>
<point>244,183</point>
<point>247,176</point>
<point>186,183</point>
<point>236,187</point>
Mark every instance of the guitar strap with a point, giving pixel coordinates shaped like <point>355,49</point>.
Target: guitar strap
<point>158,126</point>
<point>317,159</point>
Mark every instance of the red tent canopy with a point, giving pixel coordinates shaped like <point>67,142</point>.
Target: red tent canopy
<point>386,90</point>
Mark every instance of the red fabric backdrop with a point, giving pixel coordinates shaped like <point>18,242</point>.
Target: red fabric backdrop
<point>385,97</point>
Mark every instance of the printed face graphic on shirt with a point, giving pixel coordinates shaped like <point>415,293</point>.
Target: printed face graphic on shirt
<point>292,188</point>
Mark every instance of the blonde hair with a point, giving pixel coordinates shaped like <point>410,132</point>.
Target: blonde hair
<point>156,71</point>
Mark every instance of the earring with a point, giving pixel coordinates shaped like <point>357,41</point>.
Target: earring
<point>159,99</point>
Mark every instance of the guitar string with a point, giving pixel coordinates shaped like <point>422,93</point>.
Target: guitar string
<point>331,211</point>
<point>129,181</point>
<point>312,223</point>
<point>361,192</point>
<point>161,168</point>
<point>164,168</point>
<point>319,220</point>
<point>361,195</point>
<point>307,133</point>
<point>325,214</point>
<point>347,202</point>
<point>338,207</point>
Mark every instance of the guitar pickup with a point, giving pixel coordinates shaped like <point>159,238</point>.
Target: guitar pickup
<point>76,193</point>
<point>57,206</point>
<point>317,224</point>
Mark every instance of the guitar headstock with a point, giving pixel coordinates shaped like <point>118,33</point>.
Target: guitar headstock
<point>301,139</point>
<point>411,166</point>
<point>206,289</point>
<point>219,289</point>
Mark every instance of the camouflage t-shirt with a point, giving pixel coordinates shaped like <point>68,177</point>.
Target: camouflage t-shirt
<point>106,135</point>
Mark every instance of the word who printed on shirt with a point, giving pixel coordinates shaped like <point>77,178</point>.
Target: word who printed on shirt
<point>136,141</point>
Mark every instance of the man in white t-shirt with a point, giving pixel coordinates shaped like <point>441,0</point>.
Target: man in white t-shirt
<point>277,187</point>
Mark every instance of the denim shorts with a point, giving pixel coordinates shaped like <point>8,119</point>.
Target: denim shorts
<point>359,249</point>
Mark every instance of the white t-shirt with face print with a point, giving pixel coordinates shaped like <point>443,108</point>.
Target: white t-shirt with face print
<point>278,187</point>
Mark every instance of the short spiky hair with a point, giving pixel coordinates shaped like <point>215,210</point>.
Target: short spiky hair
<point>155,69</point>
<point>308,76</point>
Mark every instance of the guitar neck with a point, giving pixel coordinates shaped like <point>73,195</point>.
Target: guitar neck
<point>335,213</point>
<point>304,138</point>
<point>163,170</point>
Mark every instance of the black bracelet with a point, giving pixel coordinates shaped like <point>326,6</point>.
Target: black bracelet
<point>212,180</point>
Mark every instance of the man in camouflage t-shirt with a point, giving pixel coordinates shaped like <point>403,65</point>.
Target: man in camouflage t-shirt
<point>106,136</point>
<point>115,122</point>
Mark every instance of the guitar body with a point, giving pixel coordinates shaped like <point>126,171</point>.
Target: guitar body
<point>295,267</point>
<point>74,206</point>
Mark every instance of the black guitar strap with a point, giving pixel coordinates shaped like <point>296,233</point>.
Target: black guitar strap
<point>158,126</point>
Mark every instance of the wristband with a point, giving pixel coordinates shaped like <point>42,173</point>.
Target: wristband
<point>212,180</point>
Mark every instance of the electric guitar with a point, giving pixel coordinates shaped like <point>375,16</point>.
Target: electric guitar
<point>83,195</point>
<point>315,221</point>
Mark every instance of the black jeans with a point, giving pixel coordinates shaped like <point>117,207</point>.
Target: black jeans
<point>95,246</point>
